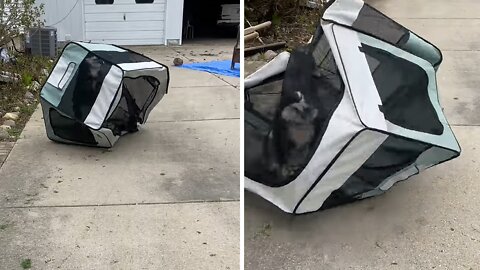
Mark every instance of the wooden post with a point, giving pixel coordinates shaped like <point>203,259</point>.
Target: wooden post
<point>262,48</point>
<point>251,36</point>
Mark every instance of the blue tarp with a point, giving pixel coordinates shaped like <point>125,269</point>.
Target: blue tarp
<point>216,67</point>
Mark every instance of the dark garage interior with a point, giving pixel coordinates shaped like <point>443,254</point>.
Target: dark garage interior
<point>201,20</point>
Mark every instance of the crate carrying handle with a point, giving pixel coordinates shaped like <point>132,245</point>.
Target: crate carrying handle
<point>67,75</point>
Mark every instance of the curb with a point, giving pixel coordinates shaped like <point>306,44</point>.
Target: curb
<point>5,148</point>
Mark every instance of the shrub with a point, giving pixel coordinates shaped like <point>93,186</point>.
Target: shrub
<point>17,16</point>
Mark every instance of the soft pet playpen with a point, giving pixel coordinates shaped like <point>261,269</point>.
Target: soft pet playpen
<point>98,92</point>
<point>347,116</point>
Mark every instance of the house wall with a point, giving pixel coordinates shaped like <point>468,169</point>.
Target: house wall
<point>70,28</point>
<point>73,26</point>
<point>174,22</point>
<point>125,22</point>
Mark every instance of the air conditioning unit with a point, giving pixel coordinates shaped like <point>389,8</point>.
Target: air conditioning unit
<point>42,41</point>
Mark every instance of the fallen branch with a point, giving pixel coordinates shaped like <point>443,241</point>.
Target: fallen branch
<point>257,27</point>
<point>251,36</point>
<point>263,48</point>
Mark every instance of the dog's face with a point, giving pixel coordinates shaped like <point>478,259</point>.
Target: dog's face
<point>94,67</point>
<point>299,112</point>
<point>297,132</point>
<point>88,85</point>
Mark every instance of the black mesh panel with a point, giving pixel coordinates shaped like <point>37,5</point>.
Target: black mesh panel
<point>403,88</point>
<point>143,91</point>
<point>123,117</point>
<point>296,121</point>
<point>84,88</point>
<point>70,129</point>
<point>391,157</point>
<point>122,57</point>
<point>265,98</point>
<point>260,110</point>
<point>376,24</point>
<point>137,95</point>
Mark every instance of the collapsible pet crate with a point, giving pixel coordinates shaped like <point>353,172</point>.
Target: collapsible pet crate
<point>347,116</point>
<point>98,92</point>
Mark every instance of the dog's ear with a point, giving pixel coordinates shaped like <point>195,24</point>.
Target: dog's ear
<point>299,96</point>
<point>298,76</point>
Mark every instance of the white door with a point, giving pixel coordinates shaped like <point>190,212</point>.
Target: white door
<point>125,22</point>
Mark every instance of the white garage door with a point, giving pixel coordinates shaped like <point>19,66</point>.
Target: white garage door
<point>125,22</point>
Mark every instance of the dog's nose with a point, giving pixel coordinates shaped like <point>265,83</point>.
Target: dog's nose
<point>308,110</point>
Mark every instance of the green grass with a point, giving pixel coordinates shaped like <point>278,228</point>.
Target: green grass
<point>27,109</point>
<point>15,132</point>
<point>25,112</point>
<point>3,227</point>
<point>26,264</point>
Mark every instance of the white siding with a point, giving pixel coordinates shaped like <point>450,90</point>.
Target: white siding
<point>108,17</point>
<point>127,28</point>
<point>144,23</point>
<point>125,22</point>
<point>72,26</point>
<point>174,21</point>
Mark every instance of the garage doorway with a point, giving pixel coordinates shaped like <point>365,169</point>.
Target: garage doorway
<point>212,19</point>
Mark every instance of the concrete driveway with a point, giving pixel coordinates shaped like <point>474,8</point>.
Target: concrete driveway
<point>166,197</point>
<point>431,221</point>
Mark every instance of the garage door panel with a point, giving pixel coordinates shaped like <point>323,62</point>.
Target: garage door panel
<point>122,2</point>
<point>92,9</point>
<point>131,41</point>
<point>125,23</point>
<point>121,35</point>
<point>115,17</point>
<point>125,27</point>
